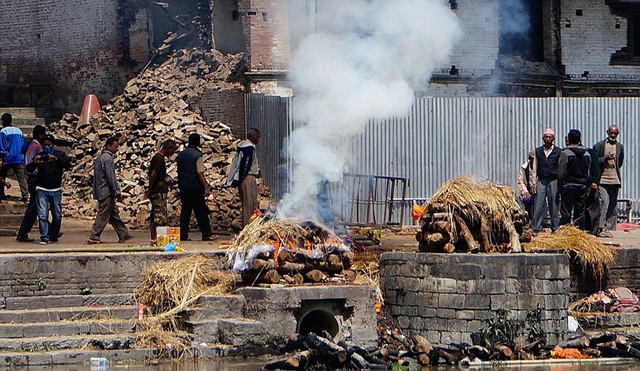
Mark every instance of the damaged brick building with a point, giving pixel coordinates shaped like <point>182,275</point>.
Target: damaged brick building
<point>54,53</point>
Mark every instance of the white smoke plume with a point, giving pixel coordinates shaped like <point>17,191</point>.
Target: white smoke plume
<point>364,61</point>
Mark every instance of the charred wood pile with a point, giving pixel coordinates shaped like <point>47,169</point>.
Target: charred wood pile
<point>467,216</point>
<point>397,350</point>
<point>155,106</point>
<point>290,252</point>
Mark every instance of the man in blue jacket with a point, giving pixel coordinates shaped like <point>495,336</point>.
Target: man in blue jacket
<point>11,141</point>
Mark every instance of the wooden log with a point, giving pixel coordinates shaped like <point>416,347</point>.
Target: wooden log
<point>404,362</point>
<point>535,346</point>
<point>465,233</point>
<point>348,257</point>
<point>580,342</point>
<point>602,338</point>
<point>359,362</point>
<point>479,352</point>
<point>448,247</point>
<point>514,237</point>
<point>327,349</point>
<point>442,226</point>
<point>295,342</point>
<point>271,276</point>
<point>451,357</point>
<point>284,267</point>
<point>420,344</point>
<point>334,260</point>
<point>591,352</point>
<point>419,236</point>
<point>437,238</point>
<point>298,361</point>
<point>504,351</point>
<point>349,275</point>
<point>441,216</point>
<point>423,359</point>
<point>485,232</point>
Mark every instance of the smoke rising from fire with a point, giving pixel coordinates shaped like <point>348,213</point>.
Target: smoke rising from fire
<point>364,61</point>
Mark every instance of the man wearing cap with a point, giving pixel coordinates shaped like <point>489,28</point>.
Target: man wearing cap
<point>50,164</point>
<point>610,158</point>
<point>546,186</point>
<point>574,179</point>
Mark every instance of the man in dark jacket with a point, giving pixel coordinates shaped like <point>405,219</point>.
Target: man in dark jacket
<point>546,186</point>
<point>50,165</point>
<point>610,158</point>
<point>31,213</point>
<point>574,178</point>
<point>193,190</point>
<point>107,191</point>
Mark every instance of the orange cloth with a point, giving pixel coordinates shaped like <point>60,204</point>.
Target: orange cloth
<point>567,353</point>
<point>417,211</point>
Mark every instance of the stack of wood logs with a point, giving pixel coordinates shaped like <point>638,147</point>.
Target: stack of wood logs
<point>446,230</point>
<point>156,106</point>
<point>321,352</point>
<point>299,266</point>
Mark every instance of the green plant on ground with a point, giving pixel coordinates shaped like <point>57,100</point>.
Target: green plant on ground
<point>397,367</point>
<point>533,325</point>
<point>33,347</point>
<point>85,291</point>
<point>49,347</point>
<point>504,329</point>
<point>40,282</point>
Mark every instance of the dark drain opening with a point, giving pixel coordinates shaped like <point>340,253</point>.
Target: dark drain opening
<point>317,320</point>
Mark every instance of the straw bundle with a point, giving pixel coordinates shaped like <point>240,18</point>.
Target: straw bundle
<point>260,230</point>
<point>589,252</point>
<point>170,286</point>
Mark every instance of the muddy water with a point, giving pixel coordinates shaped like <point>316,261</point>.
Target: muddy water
<point>256,364</point>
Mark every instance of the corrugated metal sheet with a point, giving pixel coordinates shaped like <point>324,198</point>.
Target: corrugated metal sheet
<point>444,137</point>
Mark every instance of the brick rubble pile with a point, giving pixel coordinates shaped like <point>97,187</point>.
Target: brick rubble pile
<point>153,108</point>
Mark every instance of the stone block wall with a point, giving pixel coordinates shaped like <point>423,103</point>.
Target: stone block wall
<point>64,274</point>
<point>446,297</point>
<point>280,309</point>
<point>625,271</point>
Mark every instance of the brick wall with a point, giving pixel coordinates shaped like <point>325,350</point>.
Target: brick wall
<point>266,31</point>
<point>625,271</point>
<point>477,51</point>
<point>591,40</point>
<point>72,45</point>
<point>445,297</point>
<point>226,105</point>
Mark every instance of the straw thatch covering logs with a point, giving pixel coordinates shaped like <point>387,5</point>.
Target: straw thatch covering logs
<point>464,215</point>
<point>291,252</point>
<point>159,104</point>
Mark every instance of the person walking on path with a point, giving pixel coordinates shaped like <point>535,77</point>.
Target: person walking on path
<point>107,191</point>
<point>31,213</point>
<point>546,186</point>
<point>158,188</point>
<point>50,164</point>
<point>610,158</point>
<point>243,173</point>
<point>11,141</point>
<point>574,178</point>
<point>193,190</point>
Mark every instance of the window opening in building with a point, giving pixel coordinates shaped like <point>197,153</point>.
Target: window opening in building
<point>521,29</point>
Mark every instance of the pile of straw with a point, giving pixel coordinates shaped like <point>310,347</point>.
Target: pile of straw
<point>589,252</point>
<point>476,201</point>
<point>260,230</point>
<point>170,286</point>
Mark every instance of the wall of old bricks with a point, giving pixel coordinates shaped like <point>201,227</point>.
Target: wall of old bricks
<point>266,31</point>
<point>446,297</point>
<point>64,274</point>
<point>226,105</point>
<point>72,45</point>
<point>589,40</point>
<point>625,271</point>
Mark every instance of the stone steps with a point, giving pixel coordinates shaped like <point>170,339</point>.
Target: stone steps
<point>68,314</point>
<point>65,328</point>
<point>64,301</point>
<point>215,306</point>
<point>41,343</point>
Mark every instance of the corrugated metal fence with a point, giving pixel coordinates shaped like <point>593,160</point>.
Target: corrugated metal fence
<point>441,138</point>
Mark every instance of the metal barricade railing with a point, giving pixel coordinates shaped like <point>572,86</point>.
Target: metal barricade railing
<point>370,199</point>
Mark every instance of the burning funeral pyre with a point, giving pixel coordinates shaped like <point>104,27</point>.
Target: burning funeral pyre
<point>464,215</point>
<point>290,251</point>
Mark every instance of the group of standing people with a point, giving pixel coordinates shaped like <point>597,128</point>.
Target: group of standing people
<point>40,167</point>
<point>576,184</point>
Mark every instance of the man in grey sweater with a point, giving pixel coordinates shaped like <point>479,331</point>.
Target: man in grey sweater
<point>107,191</point>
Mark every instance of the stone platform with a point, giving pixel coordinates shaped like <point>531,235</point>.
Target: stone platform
<point>446,297</point>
